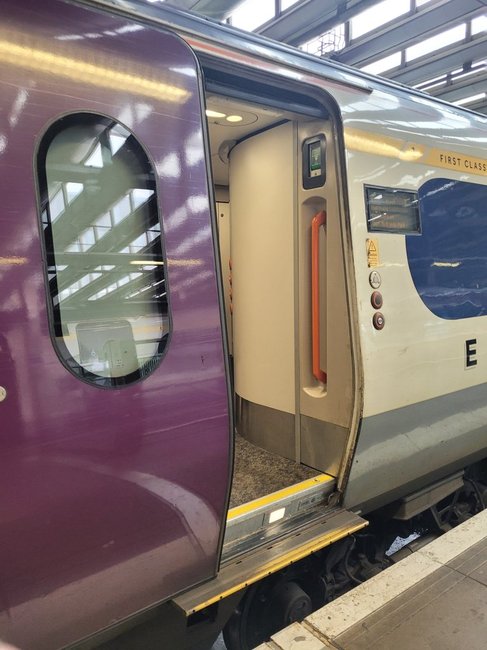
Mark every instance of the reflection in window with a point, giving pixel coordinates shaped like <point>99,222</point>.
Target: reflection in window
<point>250,14</point>
<point>437,42</point>
<point>382,65</point>
<point>285,4</point>
<point>377,15</point>
<point>103,242</point>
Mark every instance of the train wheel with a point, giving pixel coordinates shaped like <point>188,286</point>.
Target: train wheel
<point>266,608</point>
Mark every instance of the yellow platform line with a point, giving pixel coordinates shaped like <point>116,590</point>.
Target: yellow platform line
<point>277,496</point>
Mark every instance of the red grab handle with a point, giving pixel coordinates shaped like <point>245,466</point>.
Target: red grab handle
<point>318,220</point>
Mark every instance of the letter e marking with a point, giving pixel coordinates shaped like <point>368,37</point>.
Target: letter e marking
<point>470,353</point>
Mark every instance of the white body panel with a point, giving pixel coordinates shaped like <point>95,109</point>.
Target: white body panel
<point>417,356</point>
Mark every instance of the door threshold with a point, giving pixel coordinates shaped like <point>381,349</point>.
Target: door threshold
<point>273,511</point>
<point>246,570</point>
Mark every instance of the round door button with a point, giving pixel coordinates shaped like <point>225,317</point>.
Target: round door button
<point>379,321</point>
<point>376,300</point>
<point>375,280</point>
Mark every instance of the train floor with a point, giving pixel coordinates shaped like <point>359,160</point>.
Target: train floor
<point>435,598</point>
<point>258,472</point>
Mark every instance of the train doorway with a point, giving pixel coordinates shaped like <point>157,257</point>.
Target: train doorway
<point>277,189</point>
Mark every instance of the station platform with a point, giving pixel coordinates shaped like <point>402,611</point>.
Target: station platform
<point>433,599</point>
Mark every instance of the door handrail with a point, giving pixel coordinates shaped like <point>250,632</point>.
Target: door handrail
<point>319,220</point>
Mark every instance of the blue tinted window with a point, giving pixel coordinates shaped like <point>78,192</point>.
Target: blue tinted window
<point>448,262</point>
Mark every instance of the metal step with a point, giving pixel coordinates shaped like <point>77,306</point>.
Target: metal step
<point>267,559</point>
<point>261,518</point>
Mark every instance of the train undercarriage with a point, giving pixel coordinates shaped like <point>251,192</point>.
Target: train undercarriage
<point>289,595</point>
<point>294,593</point>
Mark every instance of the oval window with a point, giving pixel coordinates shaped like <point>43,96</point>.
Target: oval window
<point>105,262</point>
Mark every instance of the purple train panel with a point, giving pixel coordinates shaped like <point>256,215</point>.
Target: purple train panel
<point>113,498</point>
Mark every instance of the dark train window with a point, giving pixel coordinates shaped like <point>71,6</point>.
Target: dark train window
<point>104,254</point>
<point>448,263</point>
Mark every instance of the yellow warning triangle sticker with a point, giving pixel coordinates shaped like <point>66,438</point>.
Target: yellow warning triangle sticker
<point>372,253</point>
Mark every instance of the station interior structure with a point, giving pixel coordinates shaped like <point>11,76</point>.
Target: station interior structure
<point>439,46</point>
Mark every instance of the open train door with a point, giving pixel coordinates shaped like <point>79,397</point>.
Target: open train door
<point>327,369</point>
<point>115,440</point>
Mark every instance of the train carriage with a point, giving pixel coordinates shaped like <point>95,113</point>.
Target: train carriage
<point>242,316</point>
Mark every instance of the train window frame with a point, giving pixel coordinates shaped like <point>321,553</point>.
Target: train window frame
<point>150,205</point>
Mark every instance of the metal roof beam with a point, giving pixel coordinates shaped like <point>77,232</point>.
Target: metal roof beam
<point>472,85</point>
<point>435,64</point>
<point>480,106</point>
<point>406,31</point>
<point>217,9</point>
<point>310,19</point>
<point>476,87</point>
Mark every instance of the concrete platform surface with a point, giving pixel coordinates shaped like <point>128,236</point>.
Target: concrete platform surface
<point>434,599</point>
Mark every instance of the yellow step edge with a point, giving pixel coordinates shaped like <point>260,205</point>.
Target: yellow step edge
<point>285,560</point>
<point>277,496</point>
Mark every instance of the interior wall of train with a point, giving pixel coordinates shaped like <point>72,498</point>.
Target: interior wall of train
<point>265,214</point>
